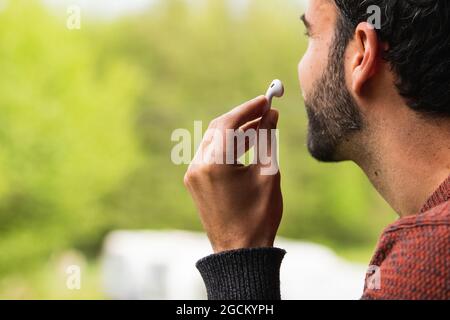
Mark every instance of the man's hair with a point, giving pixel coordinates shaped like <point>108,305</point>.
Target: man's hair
<point>418,36</point>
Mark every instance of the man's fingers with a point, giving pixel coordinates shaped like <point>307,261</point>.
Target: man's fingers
<point>247,112</point>
<point>231,135</point>
<point>269,120</point>
<point>248,136</point>
<point>251,125</point>
<point>266,144</point>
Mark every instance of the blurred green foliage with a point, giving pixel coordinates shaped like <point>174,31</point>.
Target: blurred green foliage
<point>87,116</point>
<point>66,135</point>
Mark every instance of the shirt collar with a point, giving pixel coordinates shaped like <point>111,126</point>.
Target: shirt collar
<point>441,195</point>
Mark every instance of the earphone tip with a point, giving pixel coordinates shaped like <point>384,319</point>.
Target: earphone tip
<point>277,87</point>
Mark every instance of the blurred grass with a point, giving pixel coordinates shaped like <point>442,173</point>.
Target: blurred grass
<point>47,282</point>
<point>362,255</point>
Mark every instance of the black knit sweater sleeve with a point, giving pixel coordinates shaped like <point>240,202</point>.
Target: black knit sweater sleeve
<point>244,274</point>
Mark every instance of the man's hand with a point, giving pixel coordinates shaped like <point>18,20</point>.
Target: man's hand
<point>240,206</point>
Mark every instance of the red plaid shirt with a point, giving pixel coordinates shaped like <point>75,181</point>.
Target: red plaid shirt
<point>412,260</point>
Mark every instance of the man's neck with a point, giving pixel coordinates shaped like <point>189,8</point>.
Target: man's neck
<point>407,159</point>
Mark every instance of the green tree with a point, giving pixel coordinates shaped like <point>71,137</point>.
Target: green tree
<point>66,135</point>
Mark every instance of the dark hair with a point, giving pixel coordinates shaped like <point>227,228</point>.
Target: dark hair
<point>418,36</point>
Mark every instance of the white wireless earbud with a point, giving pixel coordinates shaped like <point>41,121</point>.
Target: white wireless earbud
<point>276,89</point>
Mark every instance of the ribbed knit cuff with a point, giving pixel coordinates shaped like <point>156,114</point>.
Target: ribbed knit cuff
<point>244,274</point>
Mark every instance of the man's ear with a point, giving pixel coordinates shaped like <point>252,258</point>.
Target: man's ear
<point>364,58</point>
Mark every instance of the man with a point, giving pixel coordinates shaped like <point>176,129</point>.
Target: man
<point>377,97</point>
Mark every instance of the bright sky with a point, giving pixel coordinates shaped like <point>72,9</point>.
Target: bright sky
<point>102,8</point>
<point>116,8</point>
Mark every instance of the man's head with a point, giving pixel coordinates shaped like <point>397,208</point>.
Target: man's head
<point>353,75</point>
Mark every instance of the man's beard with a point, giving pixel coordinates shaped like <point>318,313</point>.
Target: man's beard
<point>332,111</point>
